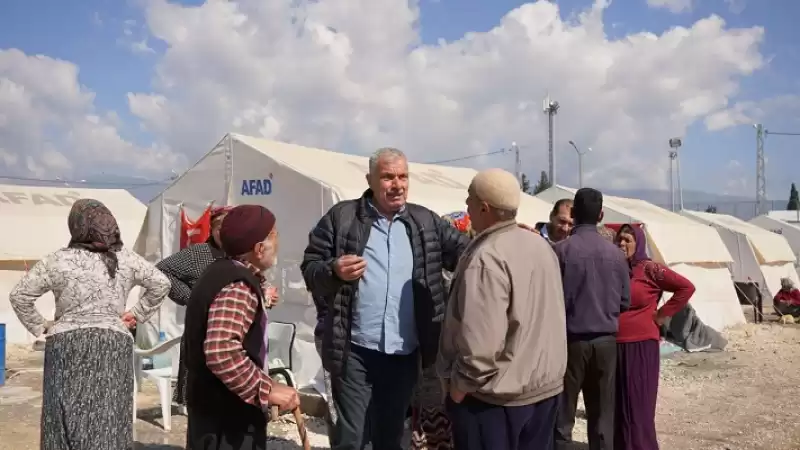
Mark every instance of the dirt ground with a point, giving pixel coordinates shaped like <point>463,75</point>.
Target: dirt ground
<point>740,399</point>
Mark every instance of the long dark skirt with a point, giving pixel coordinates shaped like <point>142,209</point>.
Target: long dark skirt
<point>430,426</point>
<point>638,365</point>
<point>87,399</point>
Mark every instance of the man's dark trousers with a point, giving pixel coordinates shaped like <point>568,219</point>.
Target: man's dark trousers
<point>591,368</point>
<point>478,425</point>
<point>386,382</point>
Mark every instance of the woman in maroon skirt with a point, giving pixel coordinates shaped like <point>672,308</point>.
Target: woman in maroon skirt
<point>638,350</point>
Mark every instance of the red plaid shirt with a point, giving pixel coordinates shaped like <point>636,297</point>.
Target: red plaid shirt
<point>229,318</point>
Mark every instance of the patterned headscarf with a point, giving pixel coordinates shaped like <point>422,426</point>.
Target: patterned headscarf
<point>607,233</point>
<point>461,221</point>
<point>94,228</point>
<point>640,253</point>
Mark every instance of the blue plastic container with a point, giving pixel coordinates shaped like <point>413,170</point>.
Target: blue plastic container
<point>162,360</point>
<point>2,354</point>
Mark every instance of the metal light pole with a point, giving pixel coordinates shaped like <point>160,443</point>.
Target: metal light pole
<point>580,161</point>
<point>551,109</point>
<point>672,156</point>
<point>675,144</point>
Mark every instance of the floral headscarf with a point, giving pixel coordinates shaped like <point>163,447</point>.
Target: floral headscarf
<point>461,221</point>
<point>92,227</point>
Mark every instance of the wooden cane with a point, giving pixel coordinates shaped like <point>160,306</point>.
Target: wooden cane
<point>301,424</point>
<point>301,428</point>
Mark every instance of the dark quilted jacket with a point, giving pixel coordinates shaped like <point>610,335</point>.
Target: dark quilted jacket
<point>343,230</point>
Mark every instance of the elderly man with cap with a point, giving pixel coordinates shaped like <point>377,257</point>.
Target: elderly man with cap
<point>229,394</point>
<point>503,344</point>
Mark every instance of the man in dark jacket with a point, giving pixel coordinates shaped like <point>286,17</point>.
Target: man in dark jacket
<point>596,282</point>
<point>377,261</point>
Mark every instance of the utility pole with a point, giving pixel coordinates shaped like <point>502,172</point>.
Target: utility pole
<point>761,175</point>
<point>551,109</point>
<point>517,162</point>
<point>675,144</point>
<point>761,166</point>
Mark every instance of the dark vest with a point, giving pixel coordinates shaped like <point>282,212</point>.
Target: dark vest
<point>206,394</point>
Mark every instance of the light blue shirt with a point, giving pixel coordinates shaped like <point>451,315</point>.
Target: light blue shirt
<point>383,314</point>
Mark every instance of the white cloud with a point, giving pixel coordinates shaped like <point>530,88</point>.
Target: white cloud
<point>751,112</point>
<point>352,75</point>
<point>673,6</point>
<point>49,125</point>
<point>736,6</point>
<point>131,40</point>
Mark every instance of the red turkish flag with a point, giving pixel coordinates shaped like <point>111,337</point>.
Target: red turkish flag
<point>195,232</point>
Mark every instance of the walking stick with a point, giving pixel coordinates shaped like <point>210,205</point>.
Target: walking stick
<point>301,424</point>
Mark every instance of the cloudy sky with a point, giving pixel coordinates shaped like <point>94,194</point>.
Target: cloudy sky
<point>144,87</point>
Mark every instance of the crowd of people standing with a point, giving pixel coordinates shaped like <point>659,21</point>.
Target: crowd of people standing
<point>485,329</point>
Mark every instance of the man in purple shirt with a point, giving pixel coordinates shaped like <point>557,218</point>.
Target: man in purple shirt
<point>596,283</point>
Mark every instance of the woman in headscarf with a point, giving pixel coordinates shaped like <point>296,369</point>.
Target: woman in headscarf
<point>638,348</point>
<point>183,270</point>
<point>87,399</point>
<point>430,427</point>
<point>787,300</point>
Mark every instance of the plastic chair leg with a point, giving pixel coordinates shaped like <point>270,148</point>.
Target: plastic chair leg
<point>165,394</point>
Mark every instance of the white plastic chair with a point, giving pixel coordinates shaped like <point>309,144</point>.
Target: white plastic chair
<point>163,377</point>
<point>281,337</point>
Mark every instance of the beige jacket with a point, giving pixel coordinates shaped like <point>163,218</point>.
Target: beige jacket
<point>504,339</point>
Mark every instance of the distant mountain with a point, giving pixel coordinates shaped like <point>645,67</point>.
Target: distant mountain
<point>738,206</point>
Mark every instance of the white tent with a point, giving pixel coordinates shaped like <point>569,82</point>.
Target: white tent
<point>790,231</point>
<point>759,255</point>
<point>299,184</point>
<point>790,216</point>
<point>34,221</point>
<point>693,250</point>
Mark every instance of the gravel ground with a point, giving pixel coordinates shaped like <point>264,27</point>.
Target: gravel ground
<point>734,400</point>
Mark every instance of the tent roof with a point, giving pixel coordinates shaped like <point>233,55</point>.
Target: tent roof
<point>771,247</point>
<point>440,188</point>
<point>785,215</point>
<point>673,237</point>
<point>34,218</point>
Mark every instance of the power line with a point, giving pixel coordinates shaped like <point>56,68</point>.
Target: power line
<point>462,158</point>
<point>118,185</point>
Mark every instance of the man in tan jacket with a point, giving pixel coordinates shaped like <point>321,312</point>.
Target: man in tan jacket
<point>503,349</point>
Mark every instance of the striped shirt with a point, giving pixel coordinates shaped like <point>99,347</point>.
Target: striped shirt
<point>229,319</point>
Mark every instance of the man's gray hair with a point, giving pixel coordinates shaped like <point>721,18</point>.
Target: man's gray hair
<point>385,152</point>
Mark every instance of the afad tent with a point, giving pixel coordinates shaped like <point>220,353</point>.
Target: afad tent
<point>759,255</point>
<point>34,221</point>
<point>790,231</point>
<point>691,249</point>
<point>299,184</point>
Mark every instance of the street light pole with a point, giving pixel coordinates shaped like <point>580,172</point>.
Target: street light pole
<point>580,161</point>
<point>517,162</point>
<point>672,156</point>
<point>675,144</point>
